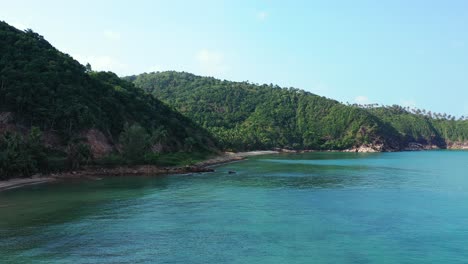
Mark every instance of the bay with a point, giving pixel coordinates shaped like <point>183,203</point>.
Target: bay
<point>405,207</point>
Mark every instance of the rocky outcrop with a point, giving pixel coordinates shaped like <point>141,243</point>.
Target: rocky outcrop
<point>415,146</point>
<point>458,145</point>
<point>367,148</point>
<point>93,171</point>
<point>98,142</point>
<point>52,140</point>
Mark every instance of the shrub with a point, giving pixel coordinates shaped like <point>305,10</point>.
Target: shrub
<point>21,155</point>
<point>135,143</point>
<point>78,154</point>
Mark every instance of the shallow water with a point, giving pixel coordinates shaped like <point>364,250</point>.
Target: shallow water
<point>408,207</point>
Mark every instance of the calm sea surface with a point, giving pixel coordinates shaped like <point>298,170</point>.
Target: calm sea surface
<point>409,207</point>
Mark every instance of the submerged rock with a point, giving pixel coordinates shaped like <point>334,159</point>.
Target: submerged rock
<point>198,169</point>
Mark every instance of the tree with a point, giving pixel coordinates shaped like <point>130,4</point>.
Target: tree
<point>88,68</point>
<point>21,156</point>
<point>159,135</point>
<point>78,154</point>
<point>49,89</point>
<point>189,144</point>
<point>135,143</point>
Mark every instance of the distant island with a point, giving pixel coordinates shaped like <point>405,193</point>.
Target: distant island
<point>59,115</point>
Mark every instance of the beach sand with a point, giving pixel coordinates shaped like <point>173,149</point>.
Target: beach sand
<point>20,182</point>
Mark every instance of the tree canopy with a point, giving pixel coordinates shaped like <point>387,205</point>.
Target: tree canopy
<point>243,115</point>
<point>45,88</point>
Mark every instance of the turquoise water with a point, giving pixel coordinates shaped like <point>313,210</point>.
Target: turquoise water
<point>409,207</point>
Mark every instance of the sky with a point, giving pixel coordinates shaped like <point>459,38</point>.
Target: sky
<point>411,53</point>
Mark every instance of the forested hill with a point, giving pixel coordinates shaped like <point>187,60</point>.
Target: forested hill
<point>45,88</point>
<point>424,127</point>
<point>249,116</point>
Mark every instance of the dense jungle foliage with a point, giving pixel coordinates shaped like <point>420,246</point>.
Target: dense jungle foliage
<point>47,89</point>
<point>243,115</point>
<point>249,116</point>
<point>421,126</point>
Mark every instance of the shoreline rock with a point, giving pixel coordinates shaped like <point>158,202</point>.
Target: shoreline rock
<point>96,173</point>
<point>366,148</point>
<point>414,146</point>
<point>458,145</point>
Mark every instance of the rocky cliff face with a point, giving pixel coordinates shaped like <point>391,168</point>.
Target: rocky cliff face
<point>98,142</point>
<point>458,145</point>
<point>414,146</point>
<point>368,148</point>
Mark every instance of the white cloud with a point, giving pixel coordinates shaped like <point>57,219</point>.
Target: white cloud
<point>102,63</point>
<point>211,62</point>
<point>262,15</point>
<point>112,35</point>
<point>361,99</point>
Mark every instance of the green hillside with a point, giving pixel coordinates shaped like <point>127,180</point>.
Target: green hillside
<point>422,127</point>
<point>52,108</point>
<point>44,88</point>
<point>248,116</point>
<point>412,127</point>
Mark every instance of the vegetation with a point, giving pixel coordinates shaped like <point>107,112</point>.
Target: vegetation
<point>243,115</point>
<point>21,155</point>
<point>135,142</point>
<point>421,126</point>
<point>46,94</point>
<point>78,154</point>
<point>246,116</point>
<point>45,88</point>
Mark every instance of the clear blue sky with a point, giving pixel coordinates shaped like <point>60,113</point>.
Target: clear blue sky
<point>404,52</point>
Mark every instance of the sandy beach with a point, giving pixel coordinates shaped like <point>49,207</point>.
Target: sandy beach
<point>20,182</point>
<point>233,156</point>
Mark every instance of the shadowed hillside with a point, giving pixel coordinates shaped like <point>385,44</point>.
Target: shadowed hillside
<point>76,111</point>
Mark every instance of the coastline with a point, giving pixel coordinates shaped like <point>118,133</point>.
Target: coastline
<point>227,157</point>
<point>95,173</point>
<point>21,182</point>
